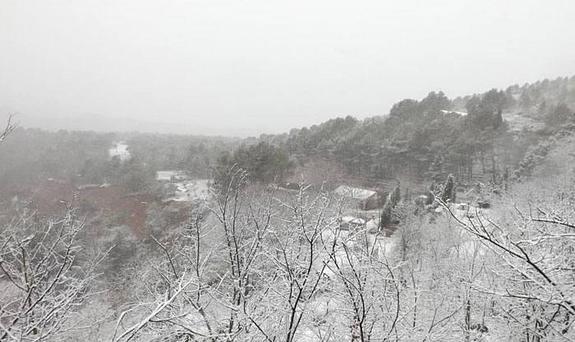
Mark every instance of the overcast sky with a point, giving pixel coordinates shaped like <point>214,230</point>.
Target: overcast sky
<point>234,67</point>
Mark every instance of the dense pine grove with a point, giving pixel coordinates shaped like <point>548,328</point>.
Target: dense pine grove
<point>428,139</point>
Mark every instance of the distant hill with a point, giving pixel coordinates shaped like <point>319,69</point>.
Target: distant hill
<point>487,137</point>
<point>478,138</point>
<point>107,123</point>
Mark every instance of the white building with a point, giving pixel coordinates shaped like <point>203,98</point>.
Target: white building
<point>120,150</point>
<point>170,175</point>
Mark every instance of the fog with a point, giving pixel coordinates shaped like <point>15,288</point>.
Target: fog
<point>243,68</point>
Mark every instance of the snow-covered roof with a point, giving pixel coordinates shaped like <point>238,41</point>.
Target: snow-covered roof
<point>453,111</point>
<point>120,150</point>
<point>168,174</point>
<point>355,193</point>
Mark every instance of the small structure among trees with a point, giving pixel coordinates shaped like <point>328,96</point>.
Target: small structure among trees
<point>170,175</point>
<point>364,199</point>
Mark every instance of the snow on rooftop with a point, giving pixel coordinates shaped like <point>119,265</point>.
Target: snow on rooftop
<point>453,111</point>
<point>120,150</point>
<point>355,193</point>
<point>168,175</point>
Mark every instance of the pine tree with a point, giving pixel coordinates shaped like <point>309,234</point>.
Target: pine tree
<point>387,212</point>
<point>448,193</point>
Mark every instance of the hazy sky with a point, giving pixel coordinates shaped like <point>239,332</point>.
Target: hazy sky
<point>236,67</point>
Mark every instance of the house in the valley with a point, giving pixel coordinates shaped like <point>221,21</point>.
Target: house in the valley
<point>120,150</point>
<point>363,199</point>
<point>170,176</point>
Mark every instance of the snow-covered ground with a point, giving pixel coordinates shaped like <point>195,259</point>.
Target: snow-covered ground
<point>518,122</point>
<point>192,189</point>
<point>381,245</point>
<point>120,150</point>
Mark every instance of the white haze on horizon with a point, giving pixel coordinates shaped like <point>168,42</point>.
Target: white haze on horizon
<point>233,67</point>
